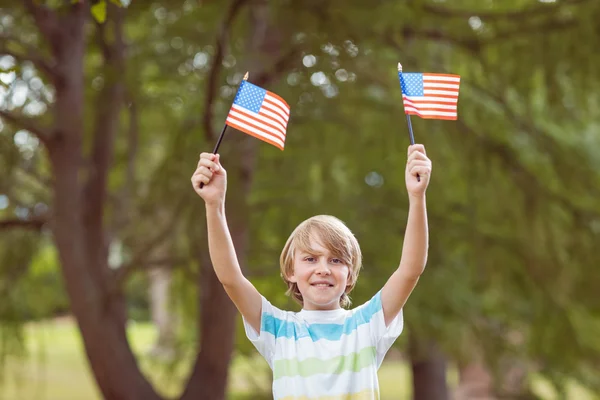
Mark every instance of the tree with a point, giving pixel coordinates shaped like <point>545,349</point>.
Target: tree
<point>525,219</point>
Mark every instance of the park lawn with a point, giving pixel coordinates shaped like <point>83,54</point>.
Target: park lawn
<point>56,369</point>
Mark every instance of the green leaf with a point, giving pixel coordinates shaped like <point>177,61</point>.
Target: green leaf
<point>99,11</point>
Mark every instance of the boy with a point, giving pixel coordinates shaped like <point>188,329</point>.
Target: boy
<point>324,351</point>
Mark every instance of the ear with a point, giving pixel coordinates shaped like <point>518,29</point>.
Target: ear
<point>292,278</point>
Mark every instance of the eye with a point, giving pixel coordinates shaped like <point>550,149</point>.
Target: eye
<point>309,259</point>
<point>336,261</point>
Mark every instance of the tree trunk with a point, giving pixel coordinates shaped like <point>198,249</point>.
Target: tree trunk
<point>160,289</point>
<point>428,370</point>
<point>78,212</point>
<point>218,314</point>
<point>475,383</point>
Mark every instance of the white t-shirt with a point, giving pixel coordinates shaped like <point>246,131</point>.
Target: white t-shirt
<point>325,355</point>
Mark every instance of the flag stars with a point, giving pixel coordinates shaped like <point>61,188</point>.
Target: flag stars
<point>250,96</point>
<point>411,83</point>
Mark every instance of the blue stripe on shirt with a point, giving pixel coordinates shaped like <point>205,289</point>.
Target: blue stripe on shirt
<point>289,329</point>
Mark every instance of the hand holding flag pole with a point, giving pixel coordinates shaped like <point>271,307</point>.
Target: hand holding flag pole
<point>224,128</point>
<point>410,130</point>
<point>429,96</point>
<point>258,113</point>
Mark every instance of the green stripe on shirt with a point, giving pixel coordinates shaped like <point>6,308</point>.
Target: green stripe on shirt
<point>353,362</point>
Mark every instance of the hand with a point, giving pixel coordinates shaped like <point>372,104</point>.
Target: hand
<point>211,173</point>
<point>417,164</point>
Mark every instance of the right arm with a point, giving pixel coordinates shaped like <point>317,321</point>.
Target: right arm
<point>222,252</point>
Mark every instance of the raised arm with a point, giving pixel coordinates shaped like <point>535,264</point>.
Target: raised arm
<point>222,252</point>
<point>416,239</point>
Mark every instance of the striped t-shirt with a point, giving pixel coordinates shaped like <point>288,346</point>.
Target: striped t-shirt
<point>325,355</point>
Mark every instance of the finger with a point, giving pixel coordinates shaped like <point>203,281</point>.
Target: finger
<point>420,170</point>
<point>211,165</point>
<point>208,156</point>
<point>419,163</point>
<point>417,155</point>
<point>416,147</point>
<point>205,171</point>
<point>198,179</point>
<point>201,178</point>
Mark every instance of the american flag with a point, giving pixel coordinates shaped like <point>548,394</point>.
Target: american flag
<point>431,96</point>
<point>259,113</point>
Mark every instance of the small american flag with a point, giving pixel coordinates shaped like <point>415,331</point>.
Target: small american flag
<point>431,96</point>
<point>259,113</point>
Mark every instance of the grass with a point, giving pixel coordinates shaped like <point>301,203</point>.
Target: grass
<point>56,369</point>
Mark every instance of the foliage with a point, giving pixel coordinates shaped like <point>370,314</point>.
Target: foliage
<point>513,207</point>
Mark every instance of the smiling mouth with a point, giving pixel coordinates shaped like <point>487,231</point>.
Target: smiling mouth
<point>321,284</point>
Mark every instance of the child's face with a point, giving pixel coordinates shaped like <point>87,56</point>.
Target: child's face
<point>321,277</point>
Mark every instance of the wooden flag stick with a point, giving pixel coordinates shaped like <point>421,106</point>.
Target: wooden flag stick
<point>223,130</point>
<point>225,127</point>
<point>410,129</point>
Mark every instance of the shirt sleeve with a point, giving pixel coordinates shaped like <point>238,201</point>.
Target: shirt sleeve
<point>382,336</point>
<point>263,341</point>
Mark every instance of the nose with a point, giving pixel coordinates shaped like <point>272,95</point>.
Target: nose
<point>323,268</point>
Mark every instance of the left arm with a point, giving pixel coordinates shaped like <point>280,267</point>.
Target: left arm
<point>416,239</point>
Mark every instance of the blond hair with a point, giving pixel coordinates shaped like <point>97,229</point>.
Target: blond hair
<point>335,236</point>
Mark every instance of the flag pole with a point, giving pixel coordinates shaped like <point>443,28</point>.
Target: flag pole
<point>224,129</point>
<point>225,126</point>
<point>410,129</point>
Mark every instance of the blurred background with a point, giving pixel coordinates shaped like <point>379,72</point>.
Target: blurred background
<point>106,287</point>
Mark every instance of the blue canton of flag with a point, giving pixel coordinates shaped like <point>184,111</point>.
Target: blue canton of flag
<point>412,84</point>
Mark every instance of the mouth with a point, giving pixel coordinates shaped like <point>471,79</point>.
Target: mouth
<point>321,284</point>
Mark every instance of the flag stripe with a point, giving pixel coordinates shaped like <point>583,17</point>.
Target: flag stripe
<point>442,77</point>
<point>453,118</point>
<point>277,120</point>
<point>278,101</point>
<point>257,133</point>
<point>430,81</point>
<point>247,118</point>
<point>263,115</point>
<point>442,92</point>
<point>435,99</point>
<point>277,114</point>
<point>425,106</point>
<point>442,113</point>
<point>441,85</point>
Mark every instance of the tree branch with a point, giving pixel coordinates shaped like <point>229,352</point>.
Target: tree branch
<point>26,124</point>
<point>34,223</point>
<point>551,25</point>
<point>472,45</point>
<point>108,106</point>
<point>145,250</point>
<point>525,13</point>
<point>169,263</point>
<point>45,18</point>
<point>280,66</point>
<point>30,54</point>
<point>215,68</point>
